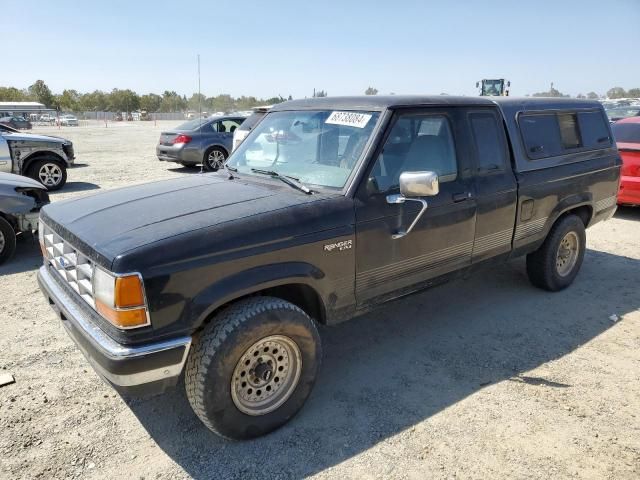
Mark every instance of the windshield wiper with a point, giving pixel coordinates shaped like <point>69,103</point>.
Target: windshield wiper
<point>291,181</point>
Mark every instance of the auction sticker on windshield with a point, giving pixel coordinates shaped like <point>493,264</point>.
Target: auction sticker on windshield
<point>349,119</point>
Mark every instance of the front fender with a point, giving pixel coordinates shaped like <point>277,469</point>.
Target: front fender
<point>250,281</point>
<point>36,153</point>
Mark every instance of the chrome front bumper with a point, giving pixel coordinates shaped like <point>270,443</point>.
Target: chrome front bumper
<point>132,369</point>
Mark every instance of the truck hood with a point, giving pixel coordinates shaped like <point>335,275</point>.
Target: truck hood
<point>109,224</point>
<point>12,180</point>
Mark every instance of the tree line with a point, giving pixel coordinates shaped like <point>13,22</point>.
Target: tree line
<point>612,93</point>
<point>126,100</point>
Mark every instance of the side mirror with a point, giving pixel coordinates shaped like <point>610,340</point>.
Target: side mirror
<point>419,184</point>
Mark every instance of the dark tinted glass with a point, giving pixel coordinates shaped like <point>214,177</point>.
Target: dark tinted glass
<point>488,141</point>
<point>569,130</point>
<point>593,129</point>
<point>541,135</point>
<point>626,132</point>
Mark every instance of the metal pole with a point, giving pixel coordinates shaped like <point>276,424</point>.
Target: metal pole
<point>200,108</point>
<point>199,95</point>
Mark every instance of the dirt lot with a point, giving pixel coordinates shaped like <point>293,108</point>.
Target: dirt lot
<point>482,378</point>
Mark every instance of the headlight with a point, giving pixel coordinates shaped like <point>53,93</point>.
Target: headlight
<point>120,299</point>
<point>41,239</point>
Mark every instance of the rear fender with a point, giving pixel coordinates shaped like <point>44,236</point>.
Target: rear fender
<point>570,203</point>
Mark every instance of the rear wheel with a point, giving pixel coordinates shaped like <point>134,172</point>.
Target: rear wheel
<point>253,367</point>
<point>49,172</point>
<point>7,241</point>
<point>214,159</point>
<point>556,263</point>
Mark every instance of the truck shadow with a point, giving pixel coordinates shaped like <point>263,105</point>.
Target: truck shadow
<point>389,370</point>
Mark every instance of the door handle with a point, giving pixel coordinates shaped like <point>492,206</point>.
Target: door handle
<point>461,197</point>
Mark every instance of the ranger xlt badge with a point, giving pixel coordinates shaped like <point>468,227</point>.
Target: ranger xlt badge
<point>344,245</point>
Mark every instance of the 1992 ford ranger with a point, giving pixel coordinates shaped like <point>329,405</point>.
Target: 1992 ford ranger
<point>329,207</point>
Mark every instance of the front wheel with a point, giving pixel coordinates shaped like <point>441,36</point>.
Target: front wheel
<point>50,173</point>
<point>253,367</point>
<point>556,263</point>
<point>214,159</point>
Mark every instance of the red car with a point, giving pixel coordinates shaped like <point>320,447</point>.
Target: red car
<point>627,135</point>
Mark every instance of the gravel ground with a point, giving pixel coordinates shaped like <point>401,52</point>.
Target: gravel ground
<point>485,377</point>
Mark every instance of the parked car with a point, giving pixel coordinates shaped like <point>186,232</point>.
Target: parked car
<point>43,158</point>
<point>627,135</point>
<point>20,201</point>
<point>68,121</point>
<point>200,141</point>
<point>618,113</point>
<point>7,128</point>
<point>47,119</point>
<point>16,122</point>
<point>251,121</point>
<point>361,200</point>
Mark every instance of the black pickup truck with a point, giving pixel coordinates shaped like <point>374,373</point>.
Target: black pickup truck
<point>330,207</point>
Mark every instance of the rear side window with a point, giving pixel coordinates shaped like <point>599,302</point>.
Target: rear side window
<point>552,134</point>
<point>593,128</point>
<point>489,142</point>
<point>541,135</point>
<point>569,132</point>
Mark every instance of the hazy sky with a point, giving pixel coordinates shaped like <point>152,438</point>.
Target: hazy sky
<point>289,47</point>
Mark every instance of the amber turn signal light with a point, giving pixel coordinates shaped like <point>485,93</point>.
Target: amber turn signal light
<point>128,292</point>
<point>135,317</point>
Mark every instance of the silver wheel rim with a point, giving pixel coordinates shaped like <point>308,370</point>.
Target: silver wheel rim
<point>2,242</point>
<point>266,375</point>
<point>567,254</point>
<point>50,174</point>
<point>216,159</point>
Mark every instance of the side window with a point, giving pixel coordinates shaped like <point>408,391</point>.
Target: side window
<point>417,142</point>
<point>489,142</point>
<point>215,126</point>
<point>593,128</point>
<point>541,135</point>
<point>229,125</point>
<point>569,132</point>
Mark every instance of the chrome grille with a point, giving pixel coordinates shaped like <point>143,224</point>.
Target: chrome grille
<point>71,265</point>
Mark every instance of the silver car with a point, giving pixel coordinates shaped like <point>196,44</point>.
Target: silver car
<point>68,121</point>
<point>41,157</point>
<point>201,141</point>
